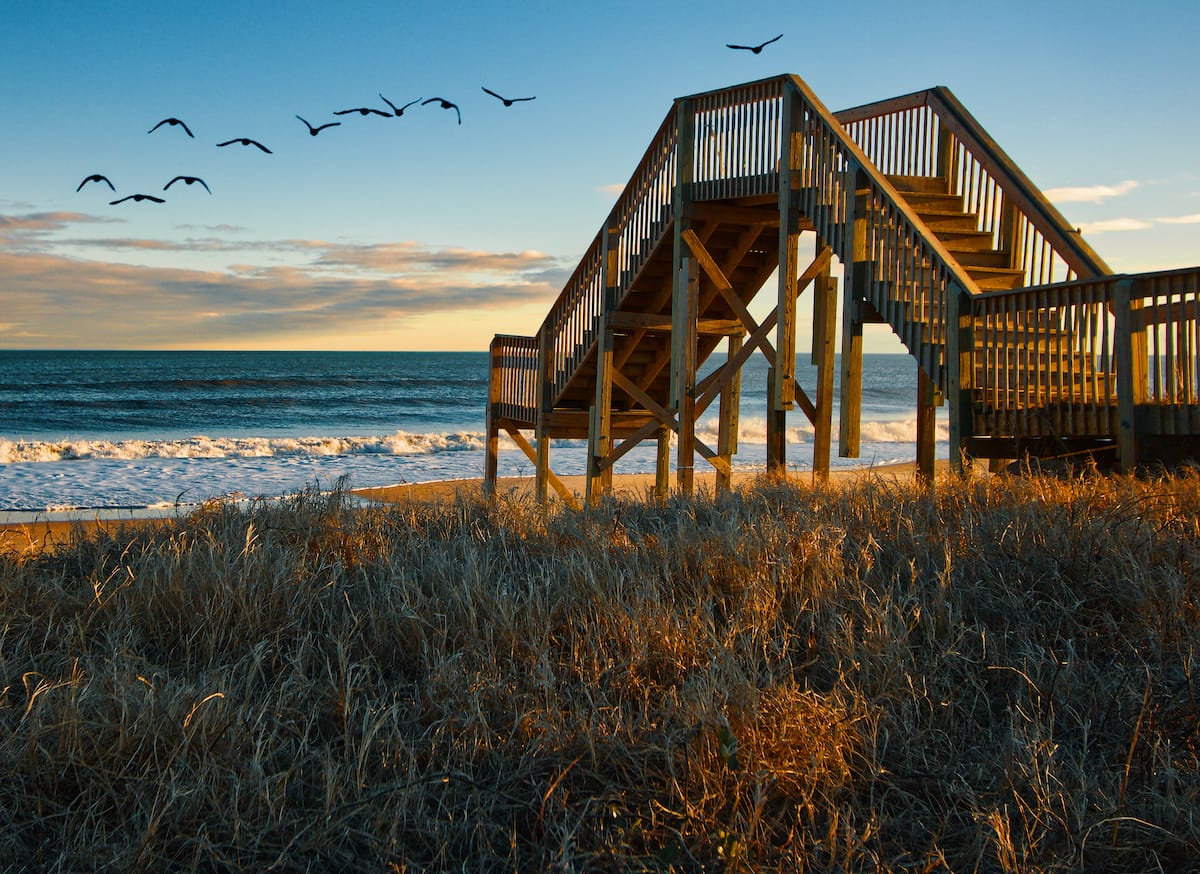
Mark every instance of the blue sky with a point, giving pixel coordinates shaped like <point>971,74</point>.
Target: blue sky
<point>419,233</point>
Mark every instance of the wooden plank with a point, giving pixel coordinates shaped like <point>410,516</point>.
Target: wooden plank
<point>683,360</point>
<point>662,465</point>
<point>826,291</point>
<point>534,455</point>
<point>631,321</point>
<point>492,449</point>
<point>776,435</point>
<point>727,421</point>
<point>926,427</point>
<point>600,433</point>
<point>747,216</point>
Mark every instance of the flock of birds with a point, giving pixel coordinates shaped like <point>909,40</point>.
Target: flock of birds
<point>393,111</point>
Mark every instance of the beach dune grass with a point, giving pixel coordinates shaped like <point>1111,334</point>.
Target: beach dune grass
<point>998,677</point>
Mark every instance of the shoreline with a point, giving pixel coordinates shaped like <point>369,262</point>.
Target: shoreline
<point>55,528</point>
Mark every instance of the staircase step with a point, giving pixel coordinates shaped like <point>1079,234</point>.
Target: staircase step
<point>948,220</point>
<point>982,258</point>
<point>996,278</point>
<point>934,200</point>
<point>929,184</point>
<point>965,241</point>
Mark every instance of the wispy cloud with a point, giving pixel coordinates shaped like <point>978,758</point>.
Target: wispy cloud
<point>62,300</point>
<point>612,190</point>
<point>1119,224</point>
<point>1090,193</point>
<point>1193,219</point>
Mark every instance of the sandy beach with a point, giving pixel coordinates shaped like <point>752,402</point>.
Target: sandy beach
<point>46,533</point>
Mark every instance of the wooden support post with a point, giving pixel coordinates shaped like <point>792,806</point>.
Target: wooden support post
<point>662,466</point>
<point>684,313</point>
<point>926,427</point>
<point>826,288</point>
<point>541,468</point>
<point>492,452</point>
<point>960,372</point>
<point>854,288</point>
<point>727,427</point>
<point>1131,376</point>
<point>784,395</point>
<point>850,413</point>
<point>776,436</point>
<point>600,418</point>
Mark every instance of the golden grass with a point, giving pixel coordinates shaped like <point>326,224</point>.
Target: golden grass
<point>1001,677</point>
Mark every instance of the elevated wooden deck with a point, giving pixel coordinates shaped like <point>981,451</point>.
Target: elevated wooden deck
<point>1015,322</point>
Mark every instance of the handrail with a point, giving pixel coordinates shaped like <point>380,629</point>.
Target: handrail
<point>514,365</point>
<point>1048,357</point>
<point>912,272</point>
<point>930,133</point>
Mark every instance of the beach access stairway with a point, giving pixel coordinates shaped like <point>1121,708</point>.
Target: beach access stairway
<point>1015,322</point>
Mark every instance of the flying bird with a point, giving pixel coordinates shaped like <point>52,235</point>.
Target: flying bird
<point>398,112</point>
<point>172,122</point>
<point>756,49</point>
<point>445,104</point>
<point>96,177</point>
<point>137,198</point>
<point>245,141</point>
<point>189,180</point>
<point>363,110</point>
<point>313,131</point>
<point>507,101</point>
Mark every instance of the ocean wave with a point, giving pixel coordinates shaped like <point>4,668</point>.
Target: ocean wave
<point>399,443</point>
<point>754,430</point>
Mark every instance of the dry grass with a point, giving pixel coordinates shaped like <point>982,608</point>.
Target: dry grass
<point>999,678</point>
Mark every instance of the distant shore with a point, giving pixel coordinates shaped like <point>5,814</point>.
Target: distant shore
<point>40,534</point>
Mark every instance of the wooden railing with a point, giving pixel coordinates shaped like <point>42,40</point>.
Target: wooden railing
<point>907,274</point>
<point>929,133</point>
<point>1055,360</point>
<point>1165,322</point>
<point>736,146</point>
<point>514,371</point>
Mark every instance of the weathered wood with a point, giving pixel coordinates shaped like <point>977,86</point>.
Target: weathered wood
<point>534,455</point>
<point>727,427</point>
<point>492,448</point>
<point>683,371</point>
<point>1127,370</point>
<point>784,396</point>
<point>600,433</point>
<point>662,466</point>
<point>824,343</point>
<point>625,321</point>
<point>926,427</point>
<point>850,414</point>
<point>776,428</point>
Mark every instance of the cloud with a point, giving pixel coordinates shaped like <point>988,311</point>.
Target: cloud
<point>1193,219</point>
<point>53,300</point>
<point>1091,193</point>
<point>612,190</point>
<point>1118,224</point>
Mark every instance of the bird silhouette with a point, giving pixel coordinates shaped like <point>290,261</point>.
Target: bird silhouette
<point>172,122</point>
<point>189,180</point>
<point>313,131</point>
<point>398,112</point>
<point>245,141</point>
<point>96,177</point>
<point>364,110</point>
<point>137,198</point>
<point>507,101</point>
<point>445,104</point>
<point>756,49</point>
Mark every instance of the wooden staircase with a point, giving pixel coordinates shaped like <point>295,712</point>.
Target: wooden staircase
<point>1015,322</point>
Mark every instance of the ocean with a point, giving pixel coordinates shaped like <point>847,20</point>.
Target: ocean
<point>134,432</point>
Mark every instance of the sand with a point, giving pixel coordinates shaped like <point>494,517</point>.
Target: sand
<point>43,534</point>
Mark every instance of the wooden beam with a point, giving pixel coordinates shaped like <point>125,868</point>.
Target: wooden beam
<point>627,321</point>
<point>823,344</point>
<point>534,455</point>
<point>776,439</point>
<point>727,421</point>
<point>850,413</point>
<point>683,370</point>
<point>926,427</point>
<point>492,450</point>
<point>662,465</point>
<point>732,215</point>
<point>600,432</point>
